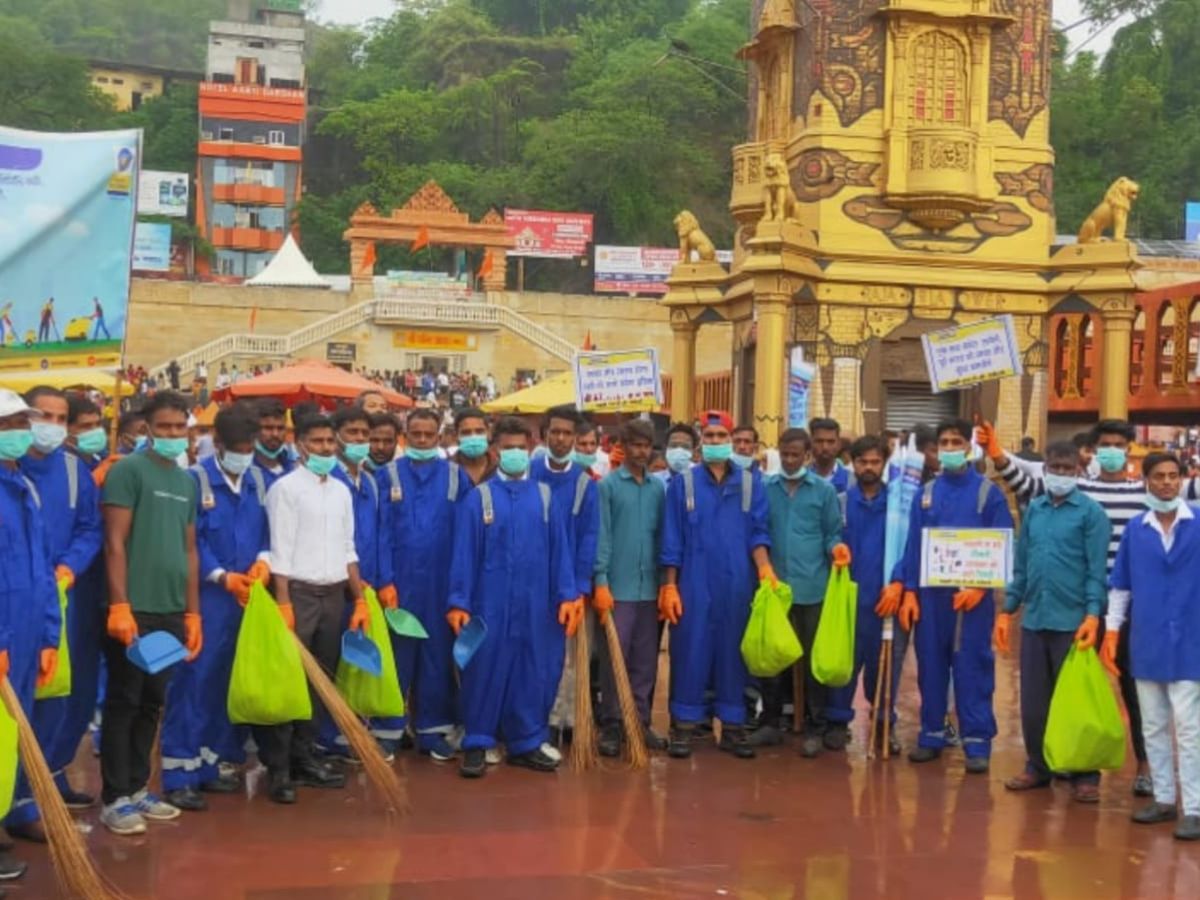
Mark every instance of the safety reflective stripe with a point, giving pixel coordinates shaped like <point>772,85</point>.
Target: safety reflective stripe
<point>544,490</point>
<point>260,486</point>
<point>689,490</point>
<point>580,492</point>
<point>747,489</point>
<point>72,478</point>
<point>37,498</point>
<point>452,493</point>
<point>980,501</point>
<point>208,501</point>
<point>393,475</point>
<point>364,475</point>
<point>489,509</point>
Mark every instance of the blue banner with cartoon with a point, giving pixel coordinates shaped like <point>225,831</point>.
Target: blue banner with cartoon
<point>67,206</point>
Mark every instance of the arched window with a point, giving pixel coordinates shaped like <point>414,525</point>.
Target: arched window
<point>1062,355</point>
<point>1087,354</point>
<point>937,80</point>
<point>1137,352</point>
<point>1166,343</point>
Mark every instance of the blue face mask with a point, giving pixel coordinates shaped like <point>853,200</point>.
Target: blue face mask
<point>1162,506</point>
<point>1059,485</point>
<point>269,454</point>
<point>742,462</point>
<point>473,446</point>
<point>170,448</point>
<point>418,455</point>
<point>356,453</point>
<point>587,460</point>
<point>795,476</point>
<point>47,437</point>
<point>15,444</point>
<point>952,460</point>
<point>236,463</point>
<point>1111,459</point>
<point>141,443</point>
<point>92,441</point>
<point>715,453</point>
<point>320,465</point>
<point>514,461</point>
<point>679,458</point>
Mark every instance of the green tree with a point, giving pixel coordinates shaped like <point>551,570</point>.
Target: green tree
<point>45,91</point>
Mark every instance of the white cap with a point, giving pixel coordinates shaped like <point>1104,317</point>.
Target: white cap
<point>12,403</point>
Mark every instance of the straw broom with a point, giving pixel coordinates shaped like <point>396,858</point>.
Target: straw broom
<point>584,754</point>
<point>635,742</point>
<point>73,869</point>
<point>382,775</point>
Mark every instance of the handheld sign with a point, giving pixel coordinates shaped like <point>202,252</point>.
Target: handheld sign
<point>621,381</point>
<point>966,557</point>
<point>969,354</point>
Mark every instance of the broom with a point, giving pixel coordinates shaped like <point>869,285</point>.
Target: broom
<point>73,869</point>
<point>635,741</point>
<point>376,767</point>
<point>584,754</point>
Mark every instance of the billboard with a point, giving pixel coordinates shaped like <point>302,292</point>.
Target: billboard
<point>1192,222</point>
<point>162,194</point>
<point>67,206</point>
<point>152,247</point>
<point>550,235</point>
<point>638,270</point>
<point>618,381</point>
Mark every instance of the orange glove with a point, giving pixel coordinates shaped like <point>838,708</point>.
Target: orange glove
<point>193,634</point>
<point>841,556</point>
<point>1001,631</point>
<point>121,625</point>
<point>457,619</point>
<point>1085,637</point>
<point>239,585</point>
<point>63,573</point>
<point>670,604</point>
<point>985,437</point>
<point>616,456</point>
<point>767,574</point>
<point>360,618</point>
<point>602,602</point>
<point>289,616</point>
<point>1108,652</point>
<point>4,664</point>
<point>388,598</point>
<point>260,572</point>
<point>47,666</point>
<point>889,600</point>
<point>967,599</point>
<point>910,611</point>
<point>570,615</point>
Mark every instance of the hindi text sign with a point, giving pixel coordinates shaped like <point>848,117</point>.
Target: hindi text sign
<point>620,381</point>
<point>969,354</point>
<point>966,557</point>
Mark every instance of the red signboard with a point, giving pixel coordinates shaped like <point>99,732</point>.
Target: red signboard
<point>553,235</point>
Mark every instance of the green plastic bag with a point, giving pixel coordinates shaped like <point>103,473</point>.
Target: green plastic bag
<point>8,760</point>
<point>267,685</point>
<point>770,644</point>
<point>60,684</point>
<point>1084,730</point>
<point>368,695</point>
<point>833,645</point>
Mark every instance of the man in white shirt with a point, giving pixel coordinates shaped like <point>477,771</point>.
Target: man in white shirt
<point>314,564</point>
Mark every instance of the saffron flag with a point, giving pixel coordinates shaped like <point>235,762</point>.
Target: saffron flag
<point>253,318</point>
<point>485,267</point>
<point>368,261</point>
<point>422,240</point>
<point>587,341</point>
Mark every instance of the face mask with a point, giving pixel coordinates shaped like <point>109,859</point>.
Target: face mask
<point>356,453</point>
<point>269,454</point>
<point>91,441</point>
<point>1111,459</point>
<point>418,455</point>
<point>320,465</point>
<point>140,443</point>
<point>587,460</point>
<point>15,444</point>
<point>47,437</point>
<point>952,459</point>
<point>236,463</point>
<point>795,476</point>
<point>714,453</point>
<point>473,446</point>
<point>1059,485</point>
<point>170,448</point>
<point>559,460</point>
<point>1162,506</point>
<point>514,461</point>
<point>679,458</point>
<point>742,462</point>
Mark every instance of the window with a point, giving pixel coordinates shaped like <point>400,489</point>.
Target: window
<point>101,79</point>
<point>938,79</point>
<point>147,85</point>
<point>118,81</point>
<point>222,78</point>
<point>275,138</point>
<point>226,134</point>
<point>290,83</point>
<point>258,45</point>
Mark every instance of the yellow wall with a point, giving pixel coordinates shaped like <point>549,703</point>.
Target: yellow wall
<point>121,84</point>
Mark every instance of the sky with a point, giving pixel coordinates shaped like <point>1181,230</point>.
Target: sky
<point>356,12</point>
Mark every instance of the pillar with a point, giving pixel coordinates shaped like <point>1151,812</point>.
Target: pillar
<point>683,370</point>
<point>362,271</point>
<point>1117,318</point>
<point>769,359</point>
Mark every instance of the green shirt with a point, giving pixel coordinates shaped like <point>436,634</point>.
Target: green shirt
<point>630,525</point>
<point>805,527</point>
<point>163,501</point>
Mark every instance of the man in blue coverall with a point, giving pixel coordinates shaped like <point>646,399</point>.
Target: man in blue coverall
<point>714,540</point>
<point>270,447</point>
<point>511,568</point>
<point>953,627</point>
<point>232,539</point>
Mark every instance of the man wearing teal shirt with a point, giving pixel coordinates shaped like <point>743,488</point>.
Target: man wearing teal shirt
<point>627,572</point>
<point>805,521</point>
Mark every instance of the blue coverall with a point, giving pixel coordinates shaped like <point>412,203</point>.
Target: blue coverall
<point>711,546</point>
<point>284,460</point>
<point>512,573</point>
<point>955,504</point>
<point>230,537</point>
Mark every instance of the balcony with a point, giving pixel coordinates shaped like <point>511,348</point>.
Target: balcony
<point>247,238</point>
<point>249,193</point>
<point>746,201</point>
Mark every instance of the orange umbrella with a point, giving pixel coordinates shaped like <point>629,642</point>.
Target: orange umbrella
<point>311,378</point>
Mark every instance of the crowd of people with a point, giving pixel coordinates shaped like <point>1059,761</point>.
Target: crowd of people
<point>438,386</point>
<point>478,528</point>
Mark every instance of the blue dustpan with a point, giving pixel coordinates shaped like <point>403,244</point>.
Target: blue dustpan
<point>360,651</point>
<point>469,640</point>
<point>156,651</point>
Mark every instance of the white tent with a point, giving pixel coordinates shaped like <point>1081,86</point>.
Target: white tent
<point>289,268</point>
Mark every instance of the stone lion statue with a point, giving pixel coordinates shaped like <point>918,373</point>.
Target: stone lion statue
<point>692,237</point>
<point>779,200</point>
<point>1113,212</point>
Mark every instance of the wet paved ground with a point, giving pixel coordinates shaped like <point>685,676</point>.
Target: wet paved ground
<point>774,828</point>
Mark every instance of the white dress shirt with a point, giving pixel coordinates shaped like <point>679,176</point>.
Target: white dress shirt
<point>312,527</point>
<point>1118,600</point>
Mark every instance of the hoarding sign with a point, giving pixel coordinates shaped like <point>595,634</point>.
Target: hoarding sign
<point>966,557</point>
<point>550,235</point>
<point>152,247</point>
<point>163,194</point>
<point>341,351</point>
<point>638,270</point>
<point>969,354</point>
<point>412,339</point>
<point>619,381</point>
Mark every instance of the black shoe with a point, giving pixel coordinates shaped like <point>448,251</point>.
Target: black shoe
<point>281,789</point>
<point>11,868</point>
<point>610,741</point>
<point>680,745</point>
<point>406,742</point>
<point>654,740</point>
<point>836,737</point>
<point>222,784</point>
<point>1143,786</point>
<point>318,775</point>
<point>535,760</point>
<point>977,765</point>
<point>1154,813</point>
<point>924,754</point>
<point>733,740</point>
<point>765,736</point>
<point>561,735</point>
<point>474,763</point>
<point>1188,829</point>
<point>34,832</point>
<point>187,799</point>
<point>77,799</point>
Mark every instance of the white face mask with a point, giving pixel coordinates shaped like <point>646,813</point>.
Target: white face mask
<point>47,437</point>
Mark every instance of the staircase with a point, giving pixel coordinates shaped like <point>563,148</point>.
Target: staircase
<point>457,313</point>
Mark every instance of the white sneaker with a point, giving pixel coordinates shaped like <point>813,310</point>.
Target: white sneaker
<point>493,757</point>
<point>122,817</point>
<point>551,751</point>
<point>154,809</point>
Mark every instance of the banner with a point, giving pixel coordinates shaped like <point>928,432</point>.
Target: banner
<point>550,235</point>
<point>66,238</point>
<point>638,270</point>
<point>621,381</point>
<point>341,352</point>
<point>152,247</point>
<point>966,557</point>
<point>1191,221</point>
<point>800,376</point>
<point>969,354</point>
<point>162,194</point>
<point>411,339</point>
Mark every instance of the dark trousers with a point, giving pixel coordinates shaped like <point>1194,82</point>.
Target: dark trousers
<point>1129,693</point>
<point>1042,656</point>
<point>132,704</point>
<point>637,629</point>
<point>804,620</point>
<point>320,611</point>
